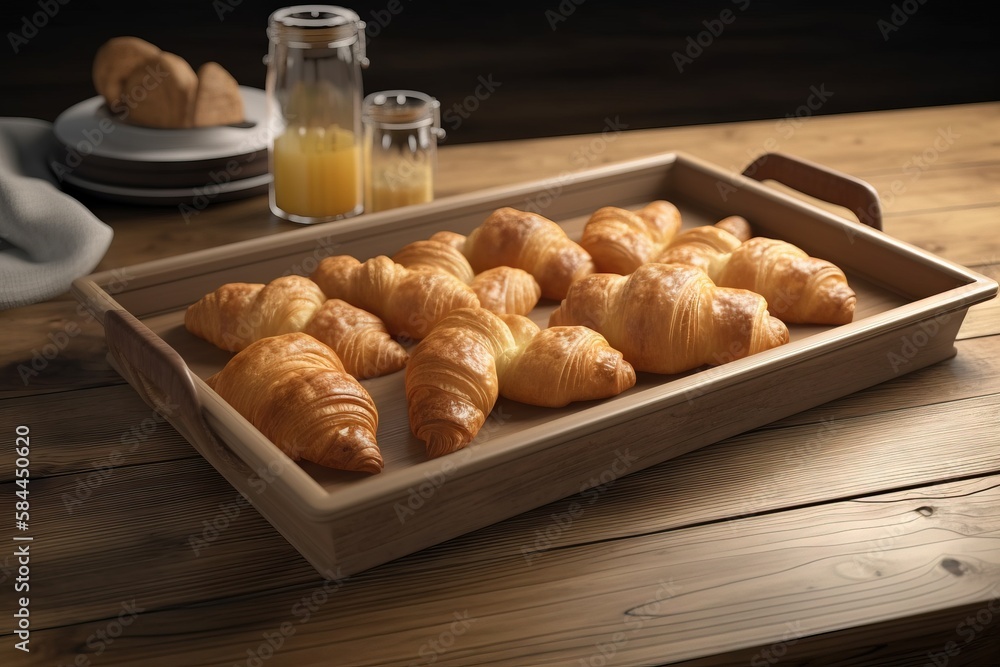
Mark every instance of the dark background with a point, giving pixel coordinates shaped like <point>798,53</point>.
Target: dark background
<point>605,60</point>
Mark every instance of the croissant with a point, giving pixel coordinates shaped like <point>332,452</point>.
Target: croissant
<point>296,392</point>
<point>472,356</point>
<point>706,248</point>
<point>799,289</point>
<point>620,241</point>
<point>502,289</point>
<point>667,318</point>
<point>359,338</point>
<point>410,302</point>
<point>737,226</point>
<point>527,241</point>
<point>453,239</point>
<point>237,314</point>
<point>435,255</point>
<point>564,364</point>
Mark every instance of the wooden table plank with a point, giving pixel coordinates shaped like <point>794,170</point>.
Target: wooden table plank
<point>761,500</point>
<point>87,429</point>
<point>763,471</point>
<point>876,143</point>
<point>91,430</point>
<point>667,596</point>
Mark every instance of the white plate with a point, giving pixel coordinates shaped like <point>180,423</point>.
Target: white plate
<point>196,198</point>
<point>91,128</point>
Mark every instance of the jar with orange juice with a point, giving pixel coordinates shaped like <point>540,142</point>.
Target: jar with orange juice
<point>314,100</point>
<point>401,129</point>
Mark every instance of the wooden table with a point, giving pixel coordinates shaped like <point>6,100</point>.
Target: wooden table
<point>863,532</point>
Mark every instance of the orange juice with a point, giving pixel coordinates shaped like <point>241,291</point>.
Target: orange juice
<point>398,184</point>
<point>316,171</point>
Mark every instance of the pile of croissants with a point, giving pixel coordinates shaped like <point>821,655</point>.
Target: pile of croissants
<point>636,293</point>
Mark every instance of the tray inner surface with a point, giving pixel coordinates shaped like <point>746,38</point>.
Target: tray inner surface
<point>400,449</point>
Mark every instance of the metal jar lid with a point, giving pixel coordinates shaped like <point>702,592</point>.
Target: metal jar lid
<point>402,110</point>
<point>318,27</point>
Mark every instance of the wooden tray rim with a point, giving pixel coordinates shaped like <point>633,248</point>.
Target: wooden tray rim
<point>317,502</point>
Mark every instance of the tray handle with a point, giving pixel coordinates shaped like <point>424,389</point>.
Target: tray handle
<point>821,182</point>
<point>162,380</point>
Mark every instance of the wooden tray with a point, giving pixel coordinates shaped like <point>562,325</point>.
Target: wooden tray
<point>910,307</point>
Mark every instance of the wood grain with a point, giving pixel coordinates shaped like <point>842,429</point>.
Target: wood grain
<point>654,598</point>
<point>780,526</point>
<point>765,471</point>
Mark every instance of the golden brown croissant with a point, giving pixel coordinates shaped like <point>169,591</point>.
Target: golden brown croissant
<point>410,302</point>
<point>451,379</point>
<point>560,365</point>
<point>667,318</point>
<point>737,226</point>
<point>502,289</point>
<point>453,239</point>
<point>238,314</point>
<point>620,241</point>
<point>527,241</point>
<point>435,255</point>
<point>456,373</point>
<point>706,248</point>
<point>295,390</point>
<point>798,288</point>
<point>359,338</point>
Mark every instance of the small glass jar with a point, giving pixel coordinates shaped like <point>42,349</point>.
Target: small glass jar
<point>401,129</point>
<point>314,101</point>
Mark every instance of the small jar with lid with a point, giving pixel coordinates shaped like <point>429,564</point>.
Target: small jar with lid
<point>401,130</point>
<point>314,101</point>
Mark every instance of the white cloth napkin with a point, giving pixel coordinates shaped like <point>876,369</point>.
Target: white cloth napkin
<point>47,238</point>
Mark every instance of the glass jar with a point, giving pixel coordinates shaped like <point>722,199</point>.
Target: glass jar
<point>401,131</point>
<point>314,101</point>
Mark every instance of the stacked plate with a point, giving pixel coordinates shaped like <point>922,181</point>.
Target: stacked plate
<point>101,154</point>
